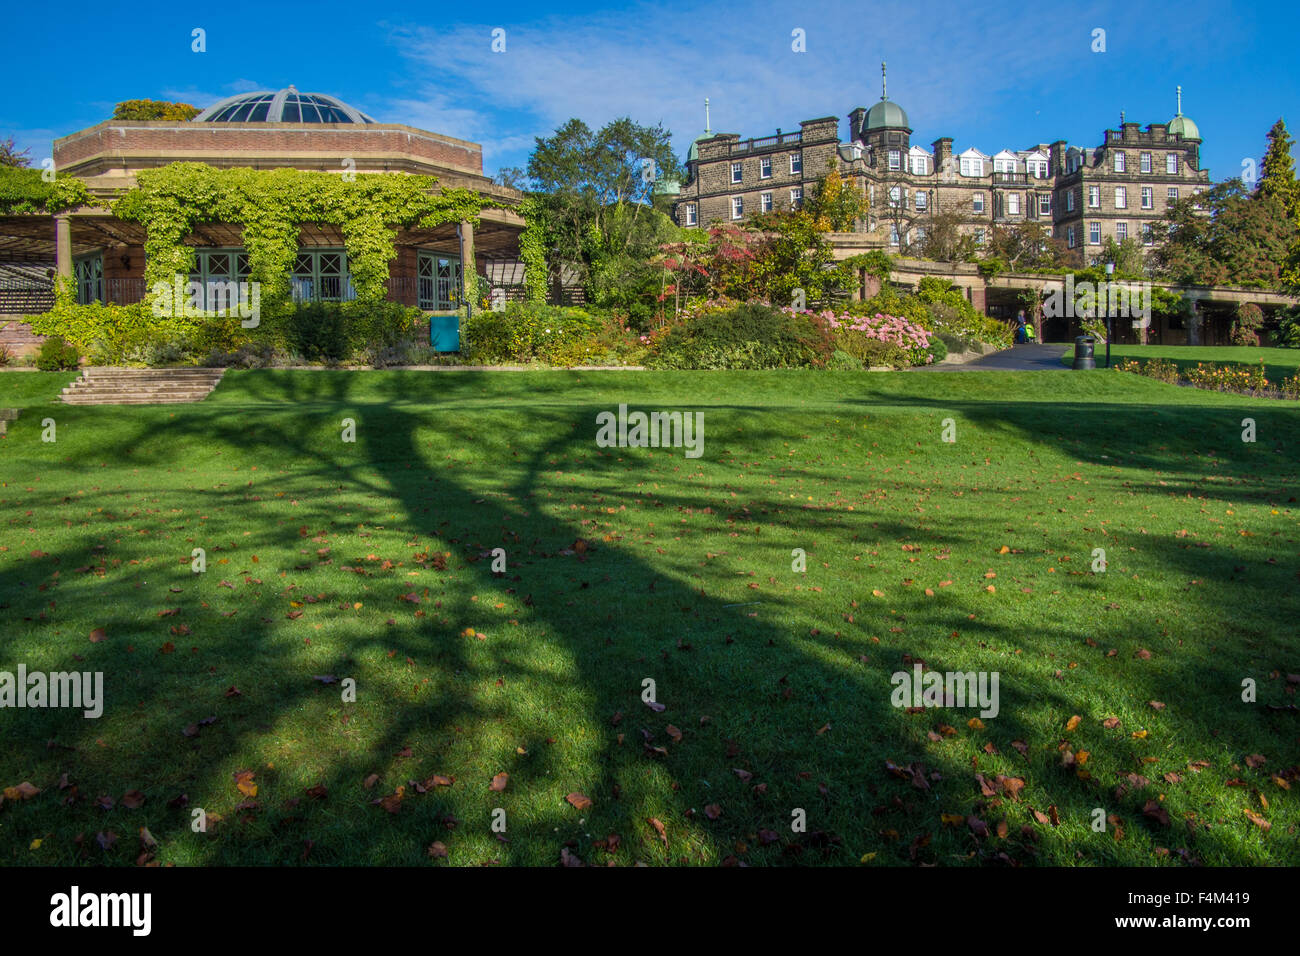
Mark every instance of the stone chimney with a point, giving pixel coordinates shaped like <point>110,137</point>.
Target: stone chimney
<point>942,152</point>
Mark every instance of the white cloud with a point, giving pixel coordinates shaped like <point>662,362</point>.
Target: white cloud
<point>658,65</point>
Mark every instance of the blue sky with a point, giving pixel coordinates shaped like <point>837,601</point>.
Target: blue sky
<point>989,76</point>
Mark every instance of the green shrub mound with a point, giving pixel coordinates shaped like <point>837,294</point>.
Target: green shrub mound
<point>747,336</point>
<point>56,355</point>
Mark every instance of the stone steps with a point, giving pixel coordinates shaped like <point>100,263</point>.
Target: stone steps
<point>122,386</point>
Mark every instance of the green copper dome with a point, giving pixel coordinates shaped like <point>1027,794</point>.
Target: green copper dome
<point>1184,127</point>
<point>886,115</point>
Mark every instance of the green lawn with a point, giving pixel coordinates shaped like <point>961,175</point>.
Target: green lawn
<point>1281,363</point>
<point>322,561</point>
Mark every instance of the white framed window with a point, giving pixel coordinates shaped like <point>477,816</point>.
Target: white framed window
<point>1004,165</point>
<point>893,235</point>
<point>692,214</point>
<point>796,164</point>
<point>979,236</point>
<point>1144,162</point>
<point>972,166</point>
<point>765,168</point>
<point>918,234</point>
<point>1069,236</point>
<point>796,197</point>
<point>1148,234</point>
<point>1148,198</point>
<point>1171,164</point>
<point>1044,204</point>
<point>1094,233</point>
<point>737,207</point>
<point>1121,197</point>
<point>737,172</point>
<point>765,202</point>
<point>919,166</point>
<point>895,159</point>
<point>1172,195</point>
<point>1094,197</point>
<point>1121,231</point>
<point>1120,162</point>
<point>977,202</point>
<point>1069,201</point>
<point>922,200</point>
<point>895,195</point>
<point>1013,204</point>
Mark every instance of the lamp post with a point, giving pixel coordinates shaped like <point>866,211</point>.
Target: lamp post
<point>1110,271</point>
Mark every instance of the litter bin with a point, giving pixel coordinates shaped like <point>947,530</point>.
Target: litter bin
<point>1083,349</point>
<point>444,331</point>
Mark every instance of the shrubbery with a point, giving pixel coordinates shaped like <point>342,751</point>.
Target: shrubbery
<point>553,335</point>
<point>313,332</point>
<point>56,355</point>
<point>749,336</point>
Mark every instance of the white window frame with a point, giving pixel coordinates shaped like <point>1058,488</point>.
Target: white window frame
<point>979,236</point>
<point>1094,197</point>
<point>977,202</point>
<point>796,197</point>
<point>1121,163</point>
<point>1094,229</point>
<point>1171,164</point>
<point>893,234</point>
<point>1044,204</point>
<point>796,164</point>
<point>1148,234</point>
<point>1144,162</point>
<point>765,167</point>
<point>1121,197</point>
<point>1069,236</point>
<point>737,172</point>
<point>737,207</point>
<point>1148,198</point>
<point>895,196</point>
<point>765,202</point>
<point>922,200</point>
<point>1013,204</point>
<point>1121,231</point>
<point>692,214</point>
<point>1171,195</point>
<point>895,159</point>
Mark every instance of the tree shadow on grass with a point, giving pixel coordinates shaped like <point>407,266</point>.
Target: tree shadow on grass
<point>610,618</point>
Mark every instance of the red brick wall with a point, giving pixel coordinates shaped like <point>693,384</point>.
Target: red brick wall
<point>280,139</point>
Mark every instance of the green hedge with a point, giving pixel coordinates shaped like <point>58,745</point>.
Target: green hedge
<point>313,332</point>
<point>748,336</point>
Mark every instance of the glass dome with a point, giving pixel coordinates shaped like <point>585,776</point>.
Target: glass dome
<point>286,106</point>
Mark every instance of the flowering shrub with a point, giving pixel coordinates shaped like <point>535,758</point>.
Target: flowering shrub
<point>1159,369</point>
<point>1229,378</point>
<point>879,339</point>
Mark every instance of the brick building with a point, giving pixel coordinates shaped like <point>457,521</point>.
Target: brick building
<point>1080,196</point>
<point>264,130</point>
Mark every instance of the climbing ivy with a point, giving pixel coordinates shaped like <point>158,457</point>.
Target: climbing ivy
<point>532,250</point>
<point>271,206</point>
<point>25,192</point>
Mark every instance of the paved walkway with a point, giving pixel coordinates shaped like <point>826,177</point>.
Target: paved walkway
<point>1018,358</point>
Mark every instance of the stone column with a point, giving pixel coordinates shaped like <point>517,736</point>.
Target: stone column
<point>63,245</point>
<point>468,266</point>
<point>1194,324</point>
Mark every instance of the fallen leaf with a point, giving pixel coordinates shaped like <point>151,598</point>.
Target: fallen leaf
<point>578,800</point>
<point>499,782</point>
